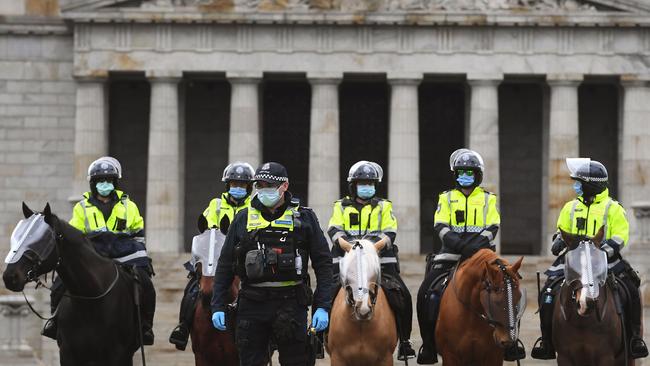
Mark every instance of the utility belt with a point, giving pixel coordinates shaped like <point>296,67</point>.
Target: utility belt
<point>301,293</point>
<point>273,264</point>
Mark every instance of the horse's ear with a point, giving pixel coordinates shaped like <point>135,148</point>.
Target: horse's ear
<point>47,211</point>
<point>202,223</point>
<point>27,212</point>
<point>600,235</point>
<point>515,267</point>
<point>571,240</point>
<point>345,245</point>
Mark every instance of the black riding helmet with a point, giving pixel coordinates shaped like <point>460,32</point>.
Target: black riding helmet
<point>240,172</point>
<point>104,169</point>
<point>592,174</point>
<point>465,159</point>
<point>363,170</point>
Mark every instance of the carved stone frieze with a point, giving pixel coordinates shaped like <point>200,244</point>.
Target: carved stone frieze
<point>377,5</point>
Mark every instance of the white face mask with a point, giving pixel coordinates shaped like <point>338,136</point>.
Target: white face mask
<point>269,196</point>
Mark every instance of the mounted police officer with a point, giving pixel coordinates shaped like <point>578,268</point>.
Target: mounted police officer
<point>113,223</point>
<point>583,216</point>
<point>466,220</point>
<point>361,214</point>
<point>268,246</point>
<point>238,180</point>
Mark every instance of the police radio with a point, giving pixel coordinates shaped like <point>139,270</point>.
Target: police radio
<point>354,218</point>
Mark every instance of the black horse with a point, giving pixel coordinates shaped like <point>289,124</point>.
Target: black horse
<point>97,318</point>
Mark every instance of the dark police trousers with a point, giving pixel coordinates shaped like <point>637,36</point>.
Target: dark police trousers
<point>282,319</point>
<point>428,308</point>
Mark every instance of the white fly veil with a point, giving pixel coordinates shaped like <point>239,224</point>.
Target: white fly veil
<point>206,249</point>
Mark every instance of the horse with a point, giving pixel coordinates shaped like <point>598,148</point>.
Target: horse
<point>211,346</point>
<point>97,316</point>
<point>362,326</point>
<point>480,311</point>
<point>586,309</point>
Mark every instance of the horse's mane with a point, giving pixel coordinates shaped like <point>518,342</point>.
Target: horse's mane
<point>71,233</point>
<point>369,251</point>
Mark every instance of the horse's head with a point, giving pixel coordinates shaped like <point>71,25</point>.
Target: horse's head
<point>585,270</point>
<point>503,300</point>
<point>33,249</point>
<point>360,275</point>
<point>206,249</point>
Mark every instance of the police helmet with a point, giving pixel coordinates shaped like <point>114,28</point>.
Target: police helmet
<point>238,171</point>
<point>466,159</point>
<point>105,167</point>
<point>365,170</point>
<point>592,174</point>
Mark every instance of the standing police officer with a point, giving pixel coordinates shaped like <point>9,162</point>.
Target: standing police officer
<point>268,246</point>
<point>363,214</point>
<point>238,179</point>
<point>466,220</point>
<point>583,216</point>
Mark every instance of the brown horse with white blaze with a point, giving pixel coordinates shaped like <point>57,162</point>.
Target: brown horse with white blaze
<point>480,311</point>
<point>586,309</point>
<point>362,326</point>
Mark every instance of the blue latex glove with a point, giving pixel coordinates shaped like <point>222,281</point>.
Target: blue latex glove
<point>320,320</point>
<point>219,320</point>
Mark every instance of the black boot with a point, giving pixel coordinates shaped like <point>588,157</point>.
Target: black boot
<point>638,348</point>
<point>515,352</point>
<point>405,351</point>
<point>148,307</point>
<point>50,329</point>
<point>545,349</point>
<point>427,355</point>
<point>428,318</point>
<point>181,333</point>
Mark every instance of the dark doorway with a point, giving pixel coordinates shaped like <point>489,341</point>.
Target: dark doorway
<point>286,110</point>
<point>442,130</point>
<point>521,166</point>
<point>207,123</point>
<point>364,114</point>
<point>598,129</point>
<point>128,137</point>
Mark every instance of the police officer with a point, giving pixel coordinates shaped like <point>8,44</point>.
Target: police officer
<point>466,221</point>
<point>584,215</point>
<point>268,246</point>
<point>238,180</point>
<point>105,209</point>
<point>361,214</point>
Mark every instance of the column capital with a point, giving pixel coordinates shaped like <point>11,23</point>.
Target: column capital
<point>404,78</point>
<point>486,79</point>
<point>564,79</point>
<point>164,75</point>
<point>635,80</point>
<point>94,76</point>
<point>324,77</point>
<point>244,76</point>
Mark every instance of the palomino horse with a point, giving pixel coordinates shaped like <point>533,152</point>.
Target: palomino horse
<point>480,311</point>
<point>586,309</point>
<point>97,317</point>
<point>362,325</point>
<point>210,346</point>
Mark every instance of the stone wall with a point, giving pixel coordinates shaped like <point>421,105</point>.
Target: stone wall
<point>37,108</point>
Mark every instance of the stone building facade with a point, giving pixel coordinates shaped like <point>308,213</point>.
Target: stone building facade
<point>177,89</point>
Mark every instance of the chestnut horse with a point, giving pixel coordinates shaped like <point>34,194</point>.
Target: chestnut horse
<point>586,309</point>
<point>480,311</point>
<point>211,347</point>
<point>362,326</point>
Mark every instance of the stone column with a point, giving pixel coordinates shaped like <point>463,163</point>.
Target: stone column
<point>484,128</point>
<point>324,177</point>
<point>91,130</point>
<point>164,222</point>
<point>245,138</point>
<point>634,166</point>
<point>562,143</point>
<point>404,159</point>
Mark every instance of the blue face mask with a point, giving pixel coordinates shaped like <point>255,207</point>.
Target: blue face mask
<point>268,196</point>
<point>577,186</point>
<point>237,192</point>
<point>365,191</point>
<point>465,180</point>
<point>104,188</point>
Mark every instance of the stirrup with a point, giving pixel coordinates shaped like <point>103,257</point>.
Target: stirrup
<point>542,352</point>
<point>405,351</point>
<point>515,352</point>
<point>179,337</point>
<point>642,349</point>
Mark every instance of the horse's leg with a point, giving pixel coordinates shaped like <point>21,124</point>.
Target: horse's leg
<point>562,360</point>
<point>449,359</point>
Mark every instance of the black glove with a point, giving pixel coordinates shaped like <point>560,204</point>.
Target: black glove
<point>469,250</point>
<point>558,246</point>
<point>610,247</point>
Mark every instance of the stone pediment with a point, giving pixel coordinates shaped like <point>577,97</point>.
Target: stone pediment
<point>366,6</point>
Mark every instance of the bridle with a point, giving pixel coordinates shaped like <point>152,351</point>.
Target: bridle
<point>506,287</point>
